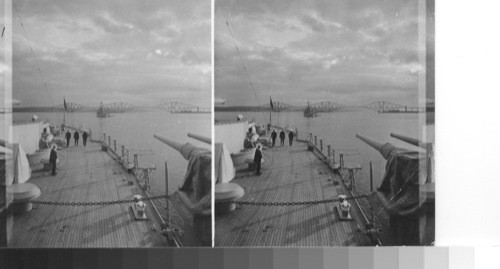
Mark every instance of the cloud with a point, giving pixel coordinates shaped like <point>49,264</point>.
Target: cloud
<point>317,50</point>
<point>97,50</point>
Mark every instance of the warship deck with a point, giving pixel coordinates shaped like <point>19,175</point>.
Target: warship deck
<point>85,174</point>
<point>290,174</point>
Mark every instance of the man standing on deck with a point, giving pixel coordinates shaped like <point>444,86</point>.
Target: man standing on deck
<point>282,137</point>
<point>273,136</point>
<point>84,136</point>
<point>290,137</point>
<point>68,137</point>
<point>76,136</point>
<point>53,159</point>
<point>257,159</point>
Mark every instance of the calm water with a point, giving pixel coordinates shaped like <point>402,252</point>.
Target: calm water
<point>135,131</point>
<point>339,130</point>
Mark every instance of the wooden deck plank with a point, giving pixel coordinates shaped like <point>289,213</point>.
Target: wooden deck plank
<point>84,174</point>
<point>289,174</point>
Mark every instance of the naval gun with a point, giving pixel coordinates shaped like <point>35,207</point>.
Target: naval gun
<point>376,145</point>
<point>194,195</point>
<point>405,195</point>
<point>412,141</point>
<point>429,151</point>
<point>186,150</point>
<point>200,138</point>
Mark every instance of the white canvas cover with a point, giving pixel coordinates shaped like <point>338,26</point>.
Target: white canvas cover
<point>224,167</point>
<point>6,165</point>
<point>22,170</point>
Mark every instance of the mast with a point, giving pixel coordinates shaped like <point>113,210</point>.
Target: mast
<point>271,107</point>
<point>65,108</point>
<point>270,121</point>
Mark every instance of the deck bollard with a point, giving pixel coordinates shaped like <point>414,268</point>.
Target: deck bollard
<point>109,141</point>
<point>114,141</point>
<point>341,161</point>
<point>333,156</point>
<point>315,140</point>
<point>329,150</point>
<point>123,151</point>
<point>321,144</point>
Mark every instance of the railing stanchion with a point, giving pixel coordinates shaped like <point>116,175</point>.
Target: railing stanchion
<point>166,198</point>
<point>136,162</point>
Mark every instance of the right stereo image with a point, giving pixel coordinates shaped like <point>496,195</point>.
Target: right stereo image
<point>324,123</point>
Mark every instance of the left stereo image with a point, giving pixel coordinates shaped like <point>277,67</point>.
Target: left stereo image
<point>106,124</point>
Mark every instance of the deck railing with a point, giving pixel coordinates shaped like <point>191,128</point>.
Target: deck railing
<point>346,172</point>
<point>142,176</point>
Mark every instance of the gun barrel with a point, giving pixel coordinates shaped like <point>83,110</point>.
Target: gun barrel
<point>410,140</point>
<point>200,138</point>
<point>373,143</point>
<point>177,146</point>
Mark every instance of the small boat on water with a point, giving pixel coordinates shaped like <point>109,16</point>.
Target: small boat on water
<point>309,112</point>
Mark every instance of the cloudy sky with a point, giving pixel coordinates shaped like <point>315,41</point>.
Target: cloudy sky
<point>141,52</point>
<point>346,51</point>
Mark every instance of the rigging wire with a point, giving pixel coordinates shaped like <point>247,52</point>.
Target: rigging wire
<point>34,56</point>
<point>238,51</point>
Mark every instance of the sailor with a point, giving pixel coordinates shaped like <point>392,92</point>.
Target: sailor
<point>68,137</point>
<point>84,136</point>
<point>282,137</point>
<point>76,136</point>
<point>290,137</point>
<point>273,136</point>
<point>257,159</point>
<point>53,159</point>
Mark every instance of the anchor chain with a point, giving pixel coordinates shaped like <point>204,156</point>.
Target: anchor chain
<point>125,201</point>
<point>314,202</point>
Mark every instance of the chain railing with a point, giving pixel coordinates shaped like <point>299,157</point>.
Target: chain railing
<point>313,202</point>
<point>94,203</point>
<point>163,196</point>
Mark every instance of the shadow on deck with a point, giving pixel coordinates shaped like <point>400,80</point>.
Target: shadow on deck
<point>85,174</point>
<point>289,174</point>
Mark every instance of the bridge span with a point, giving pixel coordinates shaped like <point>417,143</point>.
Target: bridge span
<point>122,107</point>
